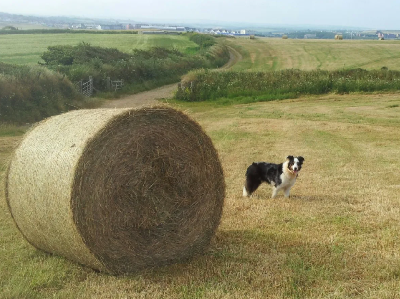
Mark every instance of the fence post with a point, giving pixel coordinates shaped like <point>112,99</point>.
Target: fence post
<point>108,83</point>
<point>91,86</point>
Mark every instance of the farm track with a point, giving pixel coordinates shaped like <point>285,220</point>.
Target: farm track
<point>152,97</point>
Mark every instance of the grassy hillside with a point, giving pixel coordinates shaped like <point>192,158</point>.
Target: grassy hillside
<point>337,237</point>
<point>267,54</point>
<point>27,49</point>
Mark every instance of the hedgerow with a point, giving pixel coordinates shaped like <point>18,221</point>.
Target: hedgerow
<point>29,94</point>
<point>205,85</point>
<point>81,61</point>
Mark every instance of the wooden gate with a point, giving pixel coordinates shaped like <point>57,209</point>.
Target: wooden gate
<point>114,84</point>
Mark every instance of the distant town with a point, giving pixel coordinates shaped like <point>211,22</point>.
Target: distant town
<point>12,21</point>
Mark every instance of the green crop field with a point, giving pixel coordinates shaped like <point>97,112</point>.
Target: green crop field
<point>271,54</point>
<point>22,26</point>
<point>27,48</point>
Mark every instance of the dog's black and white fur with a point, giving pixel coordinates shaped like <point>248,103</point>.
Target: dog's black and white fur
<point>280,176</point>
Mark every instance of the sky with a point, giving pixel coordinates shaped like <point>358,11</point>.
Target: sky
<point>372,14</point>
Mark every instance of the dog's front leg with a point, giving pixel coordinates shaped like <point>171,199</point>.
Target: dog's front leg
<point>287,192</point>
<point>274,191</point>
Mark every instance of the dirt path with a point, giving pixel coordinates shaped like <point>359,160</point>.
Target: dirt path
<point>151,97</point>
<point>235,57</point>
<point>143,98</point>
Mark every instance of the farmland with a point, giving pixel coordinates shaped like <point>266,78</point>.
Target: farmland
<point>276,54</point>
<point>336,237</point>
<point>27,49</point>
<point>262,54</point>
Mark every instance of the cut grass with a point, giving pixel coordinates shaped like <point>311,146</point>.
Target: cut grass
<point>337,237</point>
<point>269,54</point>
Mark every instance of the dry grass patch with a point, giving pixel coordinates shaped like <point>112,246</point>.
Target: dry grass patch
<point>336,237</point>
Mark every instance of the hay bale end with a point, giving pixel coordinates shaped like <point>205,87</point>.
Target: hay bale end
<point>117,190</point>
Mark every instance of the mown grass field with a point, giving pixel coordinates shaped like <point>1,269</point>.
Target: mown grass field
<point>271,54</point>
<point>336,237</point>
<point>22,26</point>
<point>27,48</point>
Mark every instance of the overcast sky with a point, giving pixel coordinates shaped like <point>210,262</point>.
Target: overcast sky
<point>374,14</point>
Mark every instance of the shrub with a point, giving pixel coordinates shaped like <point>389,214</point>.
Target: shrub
<point>205,85</point>
<point>29,94</point>
<point>203,40</point>
<point>156,64</point>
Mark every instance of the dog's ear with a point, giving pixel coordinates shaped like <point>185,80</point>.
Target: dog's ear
<point>301,159</point>
<point>290,158</point>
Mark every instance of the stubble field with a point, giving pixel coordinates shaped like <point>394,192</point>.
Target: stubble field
<point>336,237</point>
<point>266,54</point>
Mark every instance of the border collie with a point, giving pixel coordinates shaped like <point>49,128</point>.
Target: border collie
<point>280,176</point>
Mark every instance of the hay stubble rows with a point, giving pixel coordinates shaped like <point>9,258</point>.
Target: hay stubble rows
<point>337,237</point>
<point>276,54</point>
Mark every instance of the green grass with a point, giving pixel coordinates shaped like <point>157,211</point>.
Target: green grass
<point>7,130</point>
<point>266,86</point>
<point>270,54</point>
<point>22,26</point>
<point>336,237</point>
<point>27,48</point>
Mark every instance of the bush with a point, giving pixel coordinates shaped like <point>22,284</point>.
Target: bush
<point>206,85</point>
<point>203,40</point>
<point>156,64</point>
<point>29,94</point>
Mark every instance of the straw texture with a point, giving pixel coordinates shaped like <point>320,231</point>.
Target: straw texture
<point>117,190</point>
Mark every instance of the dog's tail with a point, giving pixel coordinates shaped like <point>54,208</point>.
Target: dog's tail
<point>254,164</point>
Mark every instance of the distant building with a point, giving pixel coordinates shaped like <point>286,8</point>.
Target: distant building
<point>380,34</point>
<point>163,27</point>
<point>111,27</point>
<point>139,26</point>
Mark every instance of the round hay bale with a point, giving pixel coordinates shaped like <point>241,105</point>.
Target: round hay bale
<point>339,36</point>
<point>117,190</point>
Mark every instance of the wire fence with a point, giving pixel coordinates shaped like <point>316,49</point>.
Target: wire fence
<point>87,87</point>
